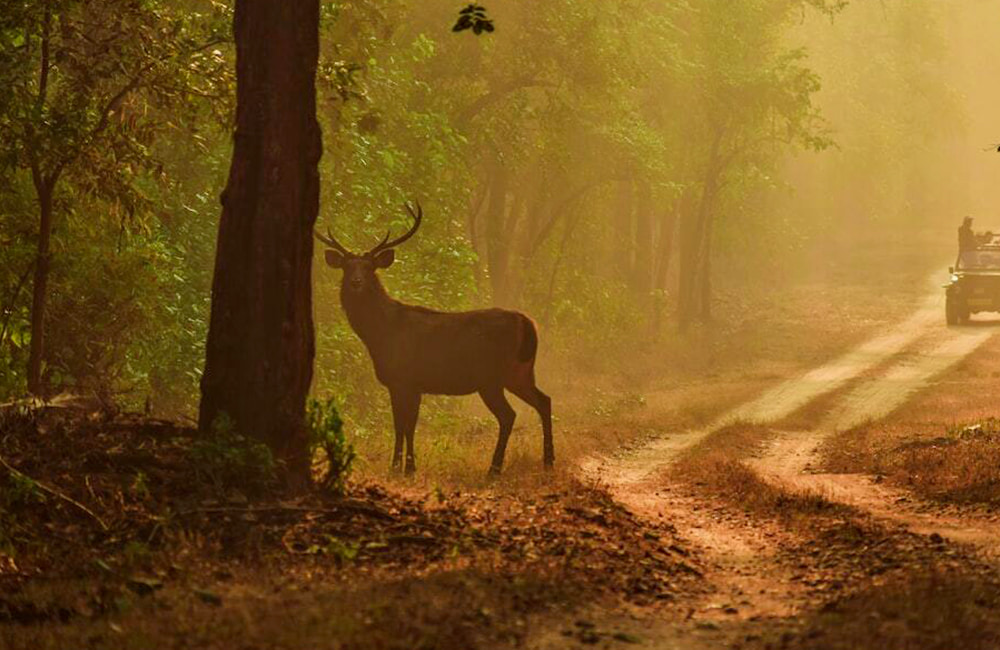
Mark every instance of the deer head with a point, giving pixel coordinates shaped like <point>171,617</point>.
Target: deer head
<point>359,269</point>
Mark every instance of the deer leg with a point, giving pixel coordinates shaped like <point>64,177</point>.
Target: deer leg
<point>542,403</point>
<point>397,451</point>
<point>405,408</point>
<point>526,389</point>
<point>497,403</point>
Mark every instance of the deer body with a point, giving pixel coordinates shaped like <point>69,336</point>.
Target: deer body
<point>426,351</point>
<point>418,351</point>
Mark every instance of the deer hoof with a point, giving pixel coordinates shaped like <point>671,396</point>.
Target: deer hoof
<point>411,469</point>
<point>493,472</point>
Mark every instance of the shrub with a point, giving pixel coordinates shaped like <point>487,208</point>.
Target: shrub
<point>228,459</point>
<point>326,434</point>
<point>17,492</point>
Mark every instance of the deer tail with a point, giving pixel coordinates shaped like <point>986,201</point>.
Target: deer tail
<point>529,340</point>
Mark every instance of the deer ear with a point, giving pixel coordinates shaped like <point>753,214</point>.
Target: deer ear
<point>385,258</point>
<point>334,259</point>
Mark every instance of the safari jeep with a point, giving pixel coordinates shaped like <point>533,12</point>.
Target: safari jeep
<point>974,284</point>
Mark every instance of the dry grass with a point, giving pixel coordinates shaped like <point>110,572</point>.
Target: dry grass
<point>935,611</point>
<point>716,467</point>
<point>436,570</point>
<point>943,445</point>
<point>623,394</point>
<point>183,563</point>
<point>962,466</point>
<point>455,610</point>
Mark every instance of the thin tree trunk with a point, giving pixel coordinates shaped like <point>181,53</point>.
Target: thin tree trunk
<point>36,355</point>
<point>705,310</point>
<point>556,264</point>
<point>513,262</point>
<point>665,248</point>
<point>690,253</point>
<point>496,247</point>
<point>643,272</point>
<point>693,250</point>
<point>259,354</point>
<point>664,253</point>
<point>694,226</point>
<point>623,232</point>
<point>44,188</point>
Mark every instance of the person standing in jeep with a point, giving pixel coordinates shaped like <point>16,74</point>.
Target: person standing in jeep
<point>966,238</point>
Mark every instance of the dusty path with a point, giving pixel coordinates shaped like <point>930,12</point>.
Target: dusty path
<point>793,455</point>
<point>739,556</point>
<point>877,396</point>
<point>789,396</point>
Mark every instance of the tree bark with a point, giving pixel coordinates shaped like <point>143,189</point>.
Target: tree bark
<point>259,354</point>
<point>36,354</point>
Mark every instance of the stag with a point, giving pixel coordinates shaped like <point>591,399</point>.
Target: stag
<point>418,351</point>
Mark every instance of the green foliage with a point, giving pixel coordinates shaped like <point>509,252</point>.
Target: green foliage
<point>536,153</point>
<point>93,91</point>
<point>20,492</point>
<point>473,17</point>
<point>229,460</point>
<point>17,493</point>
<point>342,552</point>
<point>326,434</point>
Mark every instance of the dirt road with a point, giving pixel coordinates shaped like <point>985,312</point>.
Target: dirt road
<point>900,362</point>
<point>740,555</point>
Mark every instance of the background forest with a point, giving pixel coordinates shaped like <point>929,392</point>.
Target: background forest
<point>619,170</point>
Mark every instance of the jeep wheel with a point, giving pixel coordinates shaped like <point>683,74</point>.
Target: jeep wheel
<point>950,310</point>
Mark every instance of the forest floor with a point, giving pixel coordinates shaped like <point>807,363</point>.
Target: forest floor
<point>836,484</point>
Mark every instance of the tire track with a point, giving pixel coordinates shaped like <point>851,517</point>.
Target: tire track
<point>791,457</point>
<point>776,403</point>
<point>874,399</point>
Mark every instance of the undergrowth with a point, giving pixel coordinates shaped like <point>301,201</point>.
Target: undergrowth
<point>226,459</point>
<point>326,435</point>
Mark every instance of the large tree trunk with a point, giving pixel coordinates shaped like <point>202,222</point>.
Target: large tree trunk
<point>36,353</point>
<point>259,356</point>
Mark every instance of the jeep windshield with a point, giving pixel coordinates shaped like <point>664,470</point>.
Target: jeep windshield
<point>979,261</point>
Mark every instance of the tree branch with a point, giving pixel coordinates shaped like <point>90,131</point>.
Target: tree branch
<point>473,109</point>
<point>555,214</point>
<point>43,74</point>
<point>102,122</point>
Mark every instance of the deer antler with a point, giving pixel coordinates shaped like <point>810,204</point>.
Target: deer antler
<point>330,241</point>
<point>418,216</point>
